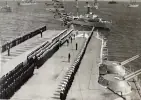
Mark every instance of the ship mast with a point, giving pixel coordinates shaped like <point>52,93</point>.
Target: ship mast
<point>132,1</point>
<point>6,3</point>
<point>95,2</point>
<point>77,7</point>
<point>88,8</point>
<point>63,2</point>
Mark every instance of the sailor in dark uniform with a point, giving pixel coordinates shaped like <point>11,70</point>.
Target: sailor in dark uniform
<point>76,46</point>
<point>69,57</point>
<point>35,61</point>
<point>71,38</point>
<point>88,7</point>
<point>67,42</point>
<point>8,48</point>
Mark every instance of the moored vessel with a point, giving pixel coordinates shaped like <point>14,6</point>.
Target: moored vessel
<point>91,20</point>
<point>133,4</point>
<point>112,2</point>
<point>55,6</point>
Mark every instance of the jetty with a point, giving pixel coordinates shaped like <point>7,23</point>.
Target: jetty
<point>48,50</point>
<point>59,64</point>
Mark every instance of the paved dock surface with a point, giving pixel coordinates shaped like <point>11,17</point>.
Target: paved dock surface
<point>45,81</point>
<point>19,53</point>
<point>85,85</point>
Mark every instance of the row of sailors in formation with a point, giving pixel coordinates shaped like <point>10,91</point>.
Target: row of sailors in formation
<point>8,90</point>
<point>66,84</point>
<point>9,43</point>
<point>69,77</point>
<point>14,82</point>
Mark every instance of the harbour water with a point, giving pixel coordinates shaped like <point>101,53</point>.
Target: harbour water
<point>124,40</point>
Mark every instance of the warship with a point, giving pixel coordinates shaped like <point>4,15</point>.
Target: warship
<point>133,4</point>
<point>26,2</point>
<point>91,20</point>
<point>55,6</point>
<point>112,2</point>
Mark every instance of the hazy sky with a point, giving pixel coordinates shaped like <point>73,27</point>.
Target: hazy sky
<point>74,0</point>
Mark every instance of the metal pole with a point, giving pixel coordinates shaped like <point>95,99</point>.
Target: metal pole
<point>0,60</point>
<point>77,8</point>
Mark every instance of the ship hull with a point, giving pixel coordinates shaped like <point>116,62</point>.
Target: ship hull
<point>93,24</point>
<point>133,6</point>
<point>112,2</point>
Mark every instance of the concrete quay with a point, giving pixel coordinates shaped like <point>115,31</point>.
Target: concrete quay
<point>43,84</point>
<point>130,89</point>
<point>85,85</point>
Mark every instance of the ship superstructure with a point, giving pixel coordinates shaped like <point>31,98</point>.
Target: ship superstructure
<point>133,4</point>
<point>90,19</point>
<point>55,7</point>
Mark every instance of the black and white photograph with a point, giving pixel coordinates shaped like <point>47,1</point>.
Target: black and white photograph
<point>70,49</point>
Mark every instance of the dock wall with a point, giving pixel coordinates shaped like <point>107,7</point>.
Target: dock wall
<point>14,79</point>
<point>22,39</point>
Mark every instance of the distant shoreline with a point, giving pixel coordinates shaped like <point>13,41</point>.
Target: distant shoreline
<point>79,0</point>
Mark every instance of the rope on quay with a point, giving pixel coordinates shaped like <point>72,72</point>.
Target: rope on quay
<point>14,79</point>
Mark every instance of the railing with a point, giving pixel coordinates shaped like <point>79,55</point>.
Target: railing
<point>22,39</point>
